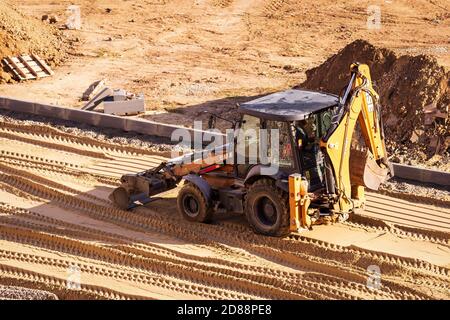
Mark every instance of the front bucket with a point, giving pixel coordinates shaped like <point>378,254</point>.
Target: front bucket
<point>365,171</point>
<point>120,198</point>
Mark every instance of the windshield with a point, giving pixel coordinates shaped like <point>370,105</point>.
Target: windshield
<point>312,129</point>
<point>308,133</point>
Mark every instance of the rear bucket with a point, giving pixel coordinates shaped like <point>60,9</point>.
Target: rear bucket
<point>365,171</point>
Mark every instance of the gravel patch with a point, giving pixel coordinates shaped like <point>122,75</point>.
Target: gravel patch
<point>420,192</point>
<point>151,143</point>
<point>20,293</point>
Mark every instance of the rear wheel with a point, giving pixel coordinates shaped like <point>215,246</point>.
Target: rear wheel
<point>267,208</point>
<point>192,204</point>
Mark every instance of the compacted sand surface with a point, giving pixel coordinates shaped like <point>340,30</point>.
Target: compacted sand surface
<point>59,232</point>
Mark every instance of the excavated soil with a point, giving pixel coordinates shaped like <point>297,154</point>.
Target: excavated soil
<point>22,34</point>
<point>414,94</point>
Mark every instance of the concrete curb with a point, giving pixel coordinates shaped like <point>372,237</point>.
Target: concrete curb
<point>421,174</point>
<point>142,126</point>
<point>165,130</point>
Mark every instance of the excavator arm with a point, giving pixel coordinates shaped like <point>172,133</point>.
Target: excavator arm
<point>354,169</point>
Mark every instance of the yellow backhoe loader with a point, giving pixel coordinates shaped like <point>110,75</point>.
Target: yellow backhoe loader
<point>319,176</point>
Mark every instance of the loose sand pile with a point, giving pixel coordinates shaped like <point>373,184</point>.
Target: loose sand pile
<point>21,34</point>
<point>414,94</point>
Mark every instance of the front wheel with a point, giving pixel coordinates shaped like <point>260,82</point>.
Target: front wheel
<point>192,204</point>
<point>267,208</point>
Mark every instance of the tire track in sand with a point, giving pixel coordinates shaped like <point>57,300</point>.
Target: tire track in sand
<point>61,137</point>
<point>143,224</point>
<point>144,248</point>
<point>55,146</point>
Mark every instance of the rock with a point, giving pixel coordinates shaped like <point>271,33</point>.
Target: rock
<point>44,17</point>
<point>5,77</point>
<point>414,137</point>
<point>53,19</point>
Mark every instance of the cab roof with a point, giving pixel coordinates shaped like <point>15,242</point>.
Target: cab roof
<point>289,105</point>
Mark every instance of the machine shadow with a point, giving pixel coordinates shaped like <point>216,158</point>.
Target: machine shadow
<point>88,226</point>
<point>186,115</point>
<point>90,216</point>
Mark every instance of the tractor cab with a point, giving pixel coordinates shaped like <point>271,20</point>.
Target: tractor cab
<point>302,118</point>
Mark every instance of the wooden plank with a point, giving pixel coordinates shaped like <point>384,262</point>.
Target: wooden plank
<point>34,64</point>
<point>43,65</point>
<point>27,67</point>
<point>13,70</point>
<point>22,74</point>
<point>25,63</point>
<point>26,73</point>
<point>29,75</point>
<point>18,63</point>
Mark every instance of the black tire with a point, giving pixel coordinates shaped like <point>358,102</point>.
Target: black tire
<point>192,204</point>
<point>267,208</point>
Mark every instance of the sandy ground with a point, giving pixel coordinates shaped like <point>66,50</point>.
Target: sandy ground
<point>57,226</point>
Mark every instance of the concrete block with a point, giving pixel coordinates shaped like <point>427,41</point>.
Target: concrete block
<point>111,121</point>
<point>119,95</point>
<point>81,116</point>
<point>4,103</point>
<point>123,108</point>
<point>105,92</point>
<point>18,105</point>
<point>421,174</point>
<point>150,127</point>
<point>51,111</point>
<point>93,89</point>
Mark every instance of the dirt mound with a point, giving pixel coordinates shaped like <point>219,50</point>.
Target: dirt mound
<point>21,34</point>
<point>414,94</point>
